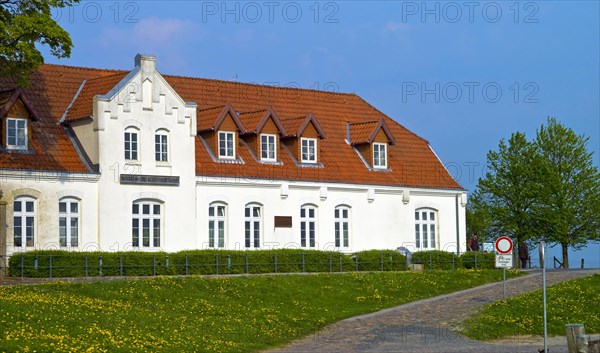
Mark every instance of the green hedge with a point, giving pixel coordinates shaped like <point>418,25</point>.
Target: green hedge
<point>442,260</point>
<point>193,262</point>
<point>479,260</point>
<point>436,260</point>
<point>379,260</point>
<point>210,262</point>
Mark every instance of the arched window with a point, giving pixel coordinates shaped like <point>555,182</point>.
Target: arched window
<point>342,227</point>
<point>217,221</point>
<point>146,224</point>
<point>253,225</point>
<point>24,221</point>
<point>308,226</point>
<point>425,228</point>
<point>161,145</point>
<point>68,222</point>
<point>131,144</point>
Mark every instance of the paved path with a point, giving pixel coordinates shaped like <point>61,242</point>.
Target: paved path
<point>426,326</point>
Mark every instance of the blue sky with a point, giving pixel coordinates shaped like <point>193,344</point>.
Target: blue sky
<point>462,74</point>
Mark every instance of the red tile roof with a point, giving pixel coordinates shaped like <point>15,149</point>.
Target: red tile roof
<point>82,107</point>
<point>365,132</point>
<point>411,161</point>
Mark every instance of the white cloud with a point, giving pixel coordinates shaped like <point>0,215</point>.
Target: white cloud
<point>151,32</point>
<point>164,38</point>
<point>393,27</point>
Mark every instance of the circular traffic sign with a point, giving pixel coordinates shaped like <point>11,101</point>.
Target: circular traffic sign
<point>504,245</point>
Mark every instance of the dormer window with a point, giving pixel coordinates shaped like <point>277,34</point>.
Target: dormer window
<point>380,155</point>
<point>268,147</point>
<point>309,150</point>
<point>226,144</point>
<point>16,133</point>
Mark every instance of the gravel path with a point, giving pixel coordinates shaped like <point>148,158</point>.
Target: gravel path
<point>426,326</point>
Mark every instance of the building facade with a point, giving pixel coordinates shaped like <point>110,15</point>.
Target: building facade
<point>111,160</point>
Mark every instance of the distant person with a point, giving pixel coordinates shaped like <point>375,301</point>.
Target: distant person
<point>473,244</point>
<point>523,254</point>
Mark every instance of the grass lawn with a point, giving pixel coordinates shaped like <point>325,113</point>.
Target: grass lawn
<point>576,301</point>
<point>221,314</point>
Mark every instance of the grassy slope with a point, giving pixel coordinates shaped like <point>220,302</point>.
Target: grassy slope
<point>227,314</point>
<point>576,301</point>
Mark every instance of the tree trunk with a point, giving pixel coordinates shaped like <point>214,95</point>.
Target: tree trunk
<point>565,254</point>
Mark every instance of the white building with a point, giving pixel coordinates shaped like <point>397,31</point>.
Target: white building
<point>115,160</point>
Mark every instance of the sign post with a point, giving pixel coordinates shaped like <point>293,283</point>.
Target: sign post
<point>542,265</point>
<point>504,259</point>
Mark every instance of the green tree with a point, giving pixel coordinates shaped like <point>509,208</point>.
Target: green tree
<point>569,196</point>
<point>506,195</point>
<point>22,25</point>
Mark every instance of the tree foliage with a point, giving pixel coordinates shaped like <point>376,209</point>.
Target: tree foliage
<point>22,25</point>
<point>547,188</point>
<point>569,199</point>
<point>507,193</point>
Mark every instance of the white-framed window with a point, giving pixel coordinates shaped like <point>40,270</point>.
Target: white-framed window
<point>16,133</point>
<point>342,227</point>
<point>226,144</point>
<point>68,222</point>
<point>308,150</point>
<point>146,224</point>
<point>161,142</point>
<point>380,155</point>
<point>24,221</point>
<point>217,221</point>
<point>308,225</point>
<point>268,147</point>
<point>425,228</point>
<point>131,144</point>
<point>253,225</point>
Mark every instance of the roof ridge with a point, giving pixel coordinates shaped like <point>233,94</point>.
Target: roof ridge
<point>216,80</point>
<point>213,79</point>
<point>87,68</point>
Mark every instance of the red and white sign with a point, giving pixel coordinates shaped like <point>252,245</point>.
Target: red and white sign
<point>504,245</point>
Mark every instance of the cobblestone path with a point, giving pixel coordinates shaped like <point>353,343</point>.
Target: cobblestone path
<point>426,326</point>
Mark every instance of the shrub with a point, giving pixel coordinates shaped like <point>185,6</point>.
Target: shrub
<point>380,260</point>
<point>436,260</point>
<point>480,260</point>
<point>193,262</point>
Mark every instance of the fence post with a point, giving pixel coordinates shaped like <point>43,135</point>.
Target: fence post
<point>167,261</point>
<point>246,263</point>
<point>381,262</point>
<point>217,262</point>
<point>86,266</point>
<point>154,264</point>
<point>50,266</point>
<point>100,266</point>
<point>228,262</point>
<point>186,265</point>
<point>121,265</point>
<point>330,263</point>
<point>303,262</point>
<point>341,264</point>
<point>22,265</point>
<point>572,331</point>
<point>356,262</point>
<point>35,262</point>
<point>453,265</point>
<point>275,258</point>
